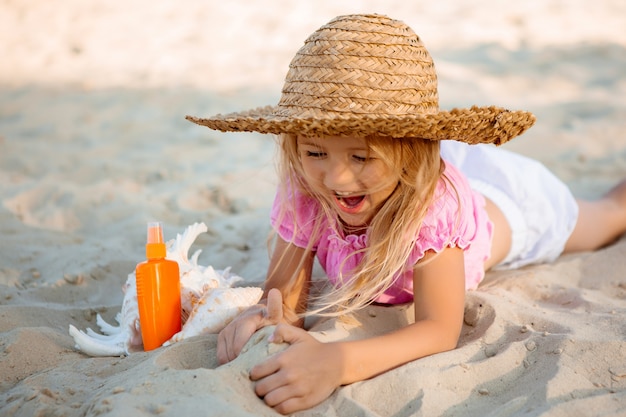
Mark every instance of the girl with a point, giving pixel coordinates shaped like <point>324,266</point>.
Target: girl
<point>392,214</point>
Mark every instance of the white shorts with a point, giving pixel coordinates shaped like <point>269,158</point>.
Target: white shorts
<point>540,208</point>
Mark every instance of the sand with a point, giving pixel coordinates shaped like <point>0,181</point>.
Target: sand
<point>93,144</point>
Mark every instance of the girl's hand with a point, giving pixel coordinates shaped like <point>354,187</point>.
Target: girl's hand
<point>301,376</point>
<point>233,337</point>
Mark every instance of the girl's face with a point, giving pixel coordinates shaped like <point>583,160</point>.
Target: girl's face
<point>352,177</point>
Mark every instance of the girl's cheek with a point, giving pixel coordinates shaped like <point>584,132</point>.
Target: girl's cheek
<point>314,169</point>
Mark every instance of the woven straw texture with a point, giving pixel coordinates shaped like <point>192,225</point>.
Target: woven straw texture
<point>369,75</point>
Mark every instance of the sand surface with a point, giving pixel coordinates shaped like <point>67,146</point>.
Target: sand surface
<point>93,144</point>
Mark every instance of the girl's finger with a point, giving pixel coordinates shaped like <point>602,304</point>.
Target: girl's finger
<point>274,306</point>
<point>282,398</point>
<point>263,370</point>
<point>285,333</point>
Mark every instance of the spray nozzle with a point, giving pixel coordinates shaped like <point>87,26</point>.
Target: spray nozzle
<point>155,247</point>
<point>155,232</point>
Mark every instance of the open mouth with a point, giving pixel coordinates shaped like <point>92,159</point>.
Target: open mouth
<point>349,203</point>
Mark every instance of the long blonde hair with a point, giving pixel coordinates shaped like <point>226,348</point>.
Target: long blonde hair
<point>391,232</point>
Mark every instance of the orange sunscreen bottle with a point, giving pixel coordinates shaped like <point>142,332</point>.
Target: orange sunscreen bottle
<point>158,292</point>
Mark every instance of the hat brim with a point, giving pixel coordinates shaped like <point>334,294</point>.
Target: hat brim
<point>475,125</point>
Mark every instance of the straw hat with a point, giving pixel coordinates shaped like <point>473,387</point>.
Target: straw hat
<point>369,75</point>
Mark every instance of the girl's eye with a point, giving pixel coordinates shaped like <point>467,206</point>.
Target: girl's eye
<point>315,154</point>
<point>360,158</point>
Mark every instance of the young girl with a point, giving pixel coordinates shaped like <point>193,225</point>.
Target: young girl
<point>392,213</point>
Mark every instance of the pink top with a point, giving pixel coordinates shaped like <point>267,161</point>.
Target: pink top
<point>448,223</point>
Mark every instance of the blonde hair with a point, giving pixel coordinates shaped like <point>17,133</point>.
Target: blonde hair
<point>391,232</point>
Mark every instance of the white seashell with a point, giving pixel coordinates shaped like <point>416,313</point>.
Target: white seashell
<point>196,282</point>
<point>207,299</point>
<point>116,340</point>
<point>217,308</point>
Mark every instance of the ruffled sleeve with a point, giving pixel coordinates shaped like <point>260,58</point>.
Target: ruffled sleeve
<point>450,221</point>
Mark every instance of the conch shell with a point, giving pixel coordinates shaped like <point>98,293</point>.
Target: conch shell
<point>208,299</point>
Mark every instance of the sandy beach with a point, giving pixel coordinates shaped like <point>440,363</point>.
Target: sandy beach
<point>94,144</point>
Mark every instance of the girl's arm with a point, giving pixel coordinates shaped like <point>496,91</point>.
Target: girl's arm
<point>278,306</point>
<point>308,371</point>
<point>288,261</point>
<point>439,298</point>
